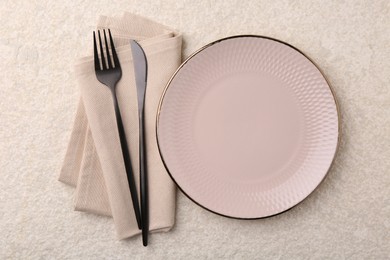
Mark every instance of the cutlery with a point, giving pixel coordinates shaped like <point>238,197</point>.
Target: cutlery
<point>140,72</point>
<point>109,74</point>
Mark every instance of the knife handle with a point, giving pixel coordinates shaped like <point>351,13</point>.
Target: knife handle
<point>144,182</point>
<point>126,159</point>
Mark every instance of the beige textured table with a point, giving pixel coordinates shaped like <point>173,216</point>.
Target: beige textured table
<point>347,217</point>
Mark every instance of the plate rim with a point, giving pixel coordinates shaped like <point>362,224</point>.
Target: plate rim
<point>202,49</point>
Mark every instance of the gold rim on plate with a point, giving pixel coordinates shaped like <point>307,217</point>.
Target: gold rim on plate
<point>202,49</point>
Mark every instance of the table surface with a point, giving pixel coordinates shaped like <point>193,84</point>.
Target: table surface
<point>348,216</point>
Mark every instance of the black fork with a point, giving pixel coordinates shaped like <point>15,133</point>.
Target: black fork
<point>109,73</point>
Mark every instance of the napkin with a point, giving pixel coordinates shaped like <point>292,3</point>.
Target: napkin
<point>93,162</point>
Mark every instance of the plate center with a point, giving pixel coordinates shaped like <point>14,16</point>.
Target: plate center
<point>247,126</point>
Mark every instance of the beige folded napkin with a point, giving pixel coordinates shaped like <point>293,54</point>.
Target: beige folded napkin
<point>93,161</point>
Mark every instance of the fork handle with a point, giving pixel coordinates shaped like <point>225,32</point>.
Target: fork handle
<point>143,181</point>
<point>126,158</point>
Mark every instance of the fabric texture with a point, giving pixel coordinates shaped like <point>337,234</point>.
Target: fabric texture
<point>93,162</point>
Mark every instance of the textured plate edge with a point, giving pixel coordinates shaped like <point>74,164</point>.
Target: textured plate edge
<point>247,36</point>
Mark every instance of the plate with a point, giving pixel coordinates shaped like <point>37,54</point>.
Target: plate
<point>247,127</point>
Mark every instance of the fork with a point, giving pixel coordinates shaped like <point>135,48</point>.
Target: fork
<point>109,74</point>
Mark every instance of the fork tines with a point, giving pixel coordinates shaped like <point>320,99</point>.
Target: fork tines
<point>104,63</point>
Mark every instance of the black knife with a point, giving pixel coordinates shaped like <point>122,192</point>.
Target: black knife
<point>140,71</point>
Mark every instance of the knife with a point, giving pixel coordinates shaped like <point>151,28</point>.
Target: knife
<point>140,71</point>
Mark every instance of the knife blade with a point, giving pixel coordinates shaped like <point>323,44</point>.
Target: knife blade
<point>140,71</point>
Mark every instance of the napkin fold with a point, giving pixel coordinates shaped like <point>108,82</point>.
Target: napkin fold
<point>93,162</point>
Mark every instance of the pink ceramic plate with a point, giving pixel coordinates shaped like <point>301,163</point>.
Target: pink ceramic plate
<point>247,127</point>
